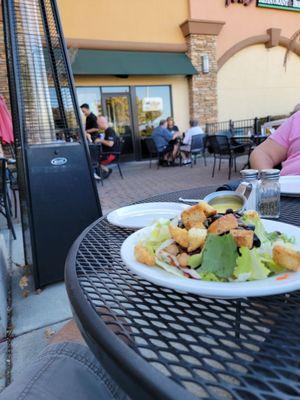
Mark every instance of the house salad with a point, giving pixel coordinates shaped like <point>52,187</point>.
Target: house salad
<point>205,245</point>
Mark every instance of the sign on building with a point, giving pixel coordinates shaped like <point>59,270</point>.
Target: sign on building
<point>292,5</point>
<point>152,104</point>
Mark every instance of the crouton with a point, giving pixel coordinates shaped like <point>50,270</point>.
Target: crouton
<point>193,216</point>
<point>196,238</point>
<point>183,259</point>
<point>207,209</point>
<point>243,237</point>
<point>179,235</point>
<point>287,256</point>
<point>251,214</point>
<point>223,224</point>
<point>143,255</point>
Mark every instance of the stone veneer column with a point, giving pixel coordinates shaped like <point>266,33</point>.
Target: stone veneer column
<point>201,38</point>
<point>4,89</point>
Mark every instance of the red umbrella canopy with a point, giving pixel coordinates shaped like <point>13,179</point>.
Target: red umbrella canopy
<point>6,127</point>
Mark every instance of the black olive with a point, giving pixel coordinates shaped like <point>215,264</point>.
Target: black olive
<point>229,211</point>
<point>215,217</point>
<point>256,241</point>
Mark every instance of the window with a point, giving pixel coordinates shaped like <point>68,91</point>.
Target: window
<point>115,89</point>
<point>153,104</point>
<point>91,96</point>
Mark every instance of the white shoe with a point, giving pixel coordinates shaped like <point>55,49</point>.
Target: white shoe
<point>97,177</point>
<point>186,162</point>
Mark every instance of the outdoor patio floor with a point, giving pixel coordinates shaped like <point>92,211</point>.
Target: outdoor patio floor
<point>36,316</point>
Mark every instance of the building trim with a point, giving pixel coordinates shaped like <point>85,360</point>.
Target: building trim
<point>201,27</point>
<point>269,40</point>
<point>91,44</point>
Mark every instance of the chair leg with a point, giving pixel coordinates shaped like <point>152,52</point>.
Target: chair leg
<point>192,161</point>
<point>15,203</point>
<point>8,215</point>
<point>213,172</point>
<point>120,172</point>
<point>234,163</point>
<point>220,162</point>
<point>229,167</point>
<point>150,161</point>
<point>204,157</point>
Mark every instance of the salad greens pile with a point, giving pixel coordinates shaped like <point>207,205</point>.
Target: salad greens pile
<point>220,260</point>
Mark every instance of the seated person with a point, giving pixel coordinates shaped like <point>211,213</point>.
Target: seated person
<point>91,127</point>
<point>283,146</point>
<point>109,144</point>
<point>187,141</point>
<point>165,141</point>
<point>172,128</point>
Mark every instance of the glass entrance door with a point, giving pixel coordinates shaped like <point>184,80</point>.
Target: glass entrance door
<point>117,107</point>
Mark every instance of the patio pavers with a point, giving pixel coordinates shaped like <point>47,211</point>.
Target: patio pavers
<point>141,182</point>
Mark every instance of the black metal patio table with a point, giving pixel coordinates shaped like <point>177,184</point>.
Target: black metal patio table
<point>158,343</point>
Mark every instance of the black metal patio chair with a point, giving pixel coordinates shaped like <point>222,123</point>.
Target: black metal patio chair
<point>153,152</point>
<point>117,153</point>
<point>5,203</point>
<point>222,148</point>
<point>95,154</point>
<point>198,145</point>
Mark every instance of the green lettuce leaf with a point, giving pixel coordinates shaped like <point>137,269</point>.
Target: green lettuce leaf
<point>266,238</point>
<point>271,264</point>
<point>195,260</point>
<point>219,256</point>
<point>209,276</point>
<point>249,266</point>
<point>159,234</point>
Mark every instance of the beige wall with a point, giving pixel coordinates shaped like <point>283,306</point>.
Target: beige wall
<point>254,83</point>
<point>179,85</point>
<point>243,22</point>
<point>124,20</point>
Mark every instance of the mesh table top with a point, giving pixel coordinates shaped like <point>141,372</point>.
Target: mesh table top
<point>182,344</point>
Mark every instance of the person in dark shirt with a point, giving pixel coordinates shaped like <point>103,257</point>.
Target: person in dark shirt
<point>166,142</point>
<point>91,126</point>
<point>109,143</point>
<point>172,128</point>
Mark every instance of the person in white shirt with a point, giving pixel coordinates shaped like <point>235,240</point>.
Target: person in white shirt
<point>185,148</point>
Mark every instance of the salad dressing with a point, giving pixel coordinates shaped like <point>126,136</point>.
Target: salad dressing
<point>221,204</point>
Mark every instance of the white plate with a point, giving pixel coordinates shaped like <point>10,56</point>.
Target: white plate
<point>282,283</point>
<point>140,215</point>
<point>290,185</point>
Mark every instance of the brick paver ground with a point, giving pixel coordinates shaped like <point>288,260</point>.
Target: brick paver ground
<point>141,182</point>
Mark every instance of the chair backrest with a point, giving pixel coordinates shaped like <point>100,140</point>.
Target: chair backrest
<point>197,143</point>
<point>150,146</point>
<point>219,144</point>
<point>95,153</point>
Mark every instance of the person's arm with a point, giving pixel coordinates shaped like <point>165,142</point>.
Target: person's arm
<point>92,130</point>
<point>108,143</point>
<point>267,155</point>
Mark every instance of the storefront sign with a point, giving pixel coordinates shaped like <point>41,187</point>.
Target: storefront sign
<point>244,2</point>
<point>152,104</point>
<point>292,5</point>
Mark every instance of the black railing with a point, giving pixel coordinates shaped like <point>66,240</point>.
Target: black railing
<point>244,127</point>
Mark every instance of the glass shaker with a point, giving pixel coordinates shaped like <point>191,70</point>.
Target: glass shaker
<point>250,178</point>
<point>268,199</point>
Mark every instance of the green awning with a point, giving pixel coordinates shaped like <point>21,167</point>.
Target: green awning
<point>104,62</point>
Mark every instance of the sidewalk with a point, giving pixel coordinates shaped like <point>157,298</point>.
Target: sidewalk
<point>37,316</point>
